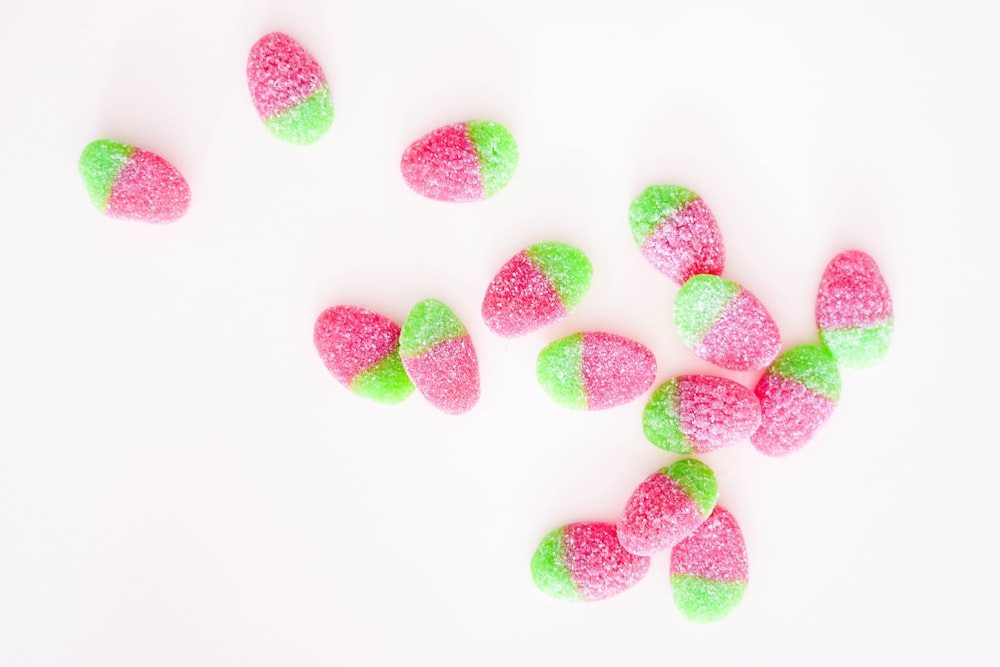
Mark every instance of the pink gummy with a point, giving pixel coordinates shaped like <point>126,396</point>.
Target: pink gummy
<point>597,564</point>
<point>351,340</point>
<point>790,414</point>
<point>148,188</point>
<point>447,374</point>
<point>743,338</point>
<point>615,369</point>
<point>852,293</point>
<point>281,73</point>
<point>716,412</point>
<point>687,244</point>
<point>520,299</point>
<point>716,551</point>
<point>444,165</point>
<point>658,515</point>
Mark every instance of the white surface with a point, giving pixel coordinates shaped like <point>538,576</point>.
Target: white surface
<point>182,483</point>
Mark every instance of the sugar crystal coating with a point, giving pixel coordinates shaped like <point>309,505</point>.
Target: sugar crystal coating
<point>439,357</point>
<point>709,569</point>
<point>854,310</point>
<point>130,183</point>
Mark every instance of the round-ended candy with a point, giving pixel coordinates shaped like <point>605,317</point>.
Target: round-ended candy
<point>133,184</point>
<point>438,356</point>
<point>723,323</point>
<point>538,286</point>
<point>854,310</point>
<point>708,571</point>
<point>694,414</point>
<point>676,232</point>
<point>289,89</point>
<point>668,506</point>
<point>461,162</point>
<point>584,561</point>
<point>797,395</point>
<point>361,350</point>
<point>594,370</point>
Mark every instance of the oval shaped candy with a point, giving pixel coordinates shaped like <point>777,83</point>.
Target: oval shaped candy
<point>709,569</point>
<point>360,348</point>
<point>668,506</point>
<point>724,323</point>
<point>438,356</point>
<point>538,286</point>
<point>797,395</point>
<point>461,162</point>
<point>289,89</point>
<point>584,561</point>
<point>594,370</point>
<point>694,414</point>
<point>677,232</point>
<point>133,184</point>
<point>854,310</point>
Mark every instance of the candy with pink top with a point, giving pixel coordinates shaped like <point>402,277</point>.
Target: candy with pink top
<point>709,569</point>
<point>439,357</point>
<point>133,184</point>
<point>854,310</point>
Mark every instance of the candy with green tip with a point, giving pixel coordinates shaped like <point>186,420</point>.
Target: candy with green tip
<point>709,570</point>
<point>854,310</point>
<point>133,184</point>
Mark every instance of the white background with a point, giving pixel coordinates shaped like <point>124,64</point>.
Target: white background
<point>182,482</point>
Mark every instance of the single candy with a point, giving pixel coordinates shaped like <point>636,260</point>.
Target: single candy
<point>289,89</point>
<point>797,395</point>
<point>593,370</point>
<point>584,561</point>
<point>667,507</point>
<point>438,356</point>
<point>723,323</point>
<point>133,184</point>
<point>708,571</point>
<point>854,310</point>
<point>694,414</point>
<point>361,350</point>
<point>538,286</point>
<point>676,232</point>
<point>461,162</point>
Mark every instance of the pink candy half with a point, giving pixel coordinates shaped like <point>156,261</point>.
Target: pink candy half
<point>687,244</point>
<point>658,515</point>
<point>715,551</point>
<point>350,340</point>
<point>597,564</point>
<point>148,188</point>
<point>444,165</point>
<point>615,369</point>
<point>791,415</point>
<point>520,299</point>
<point>447,374</point>
<point>716,412</point>
<point>281,74</point>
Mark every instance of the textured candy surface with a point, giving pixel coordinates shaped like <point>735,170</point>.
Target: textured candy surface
<point>694,414</point>
<point>854,310</point>
<point>593,370</point>
<point>439,357</point>
<point>584,561</point>
<point>677,232</point>
<point>667,507</point>
<point>360,348</point>
<point>133,184</point>
<point>709,569</point>
<point>461,162</point>
<point>797,395</point>
<point>289,89</point>
<point>723,323</point>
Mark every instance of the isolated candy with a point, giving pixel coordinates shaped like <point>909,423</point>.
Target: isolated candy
<point>694,414</point>
<point>133,184</point>
<point>725,324</point>
<point>361,350</point>
<point>461,162</point>
<point>584,561</point>
<point>594,370</point>
<point>667,507</point>
<point>708,571</point>
<point>854,310</point>
<point>676,232</point>
<point>438,356</point>
<point>538,286</point>
<point>797,395</point>
<point>289,89</point>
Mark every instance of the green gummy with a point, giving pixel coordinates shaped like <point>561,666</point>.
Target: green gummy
<point>698,482</point>
<point>305,122</point>
<point>497,153</point>
<point>811,365</point>
<point>705,600</point>
<point>548,568</point>
<point>385,382</point>
<point>700,302</point>
<point>655,204</point>
<point>566,267</point>
<point>430,322</point>
<point>858,347</point>
<point>100,164</point>
<point>661,420</point>
<point>560,371</point>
